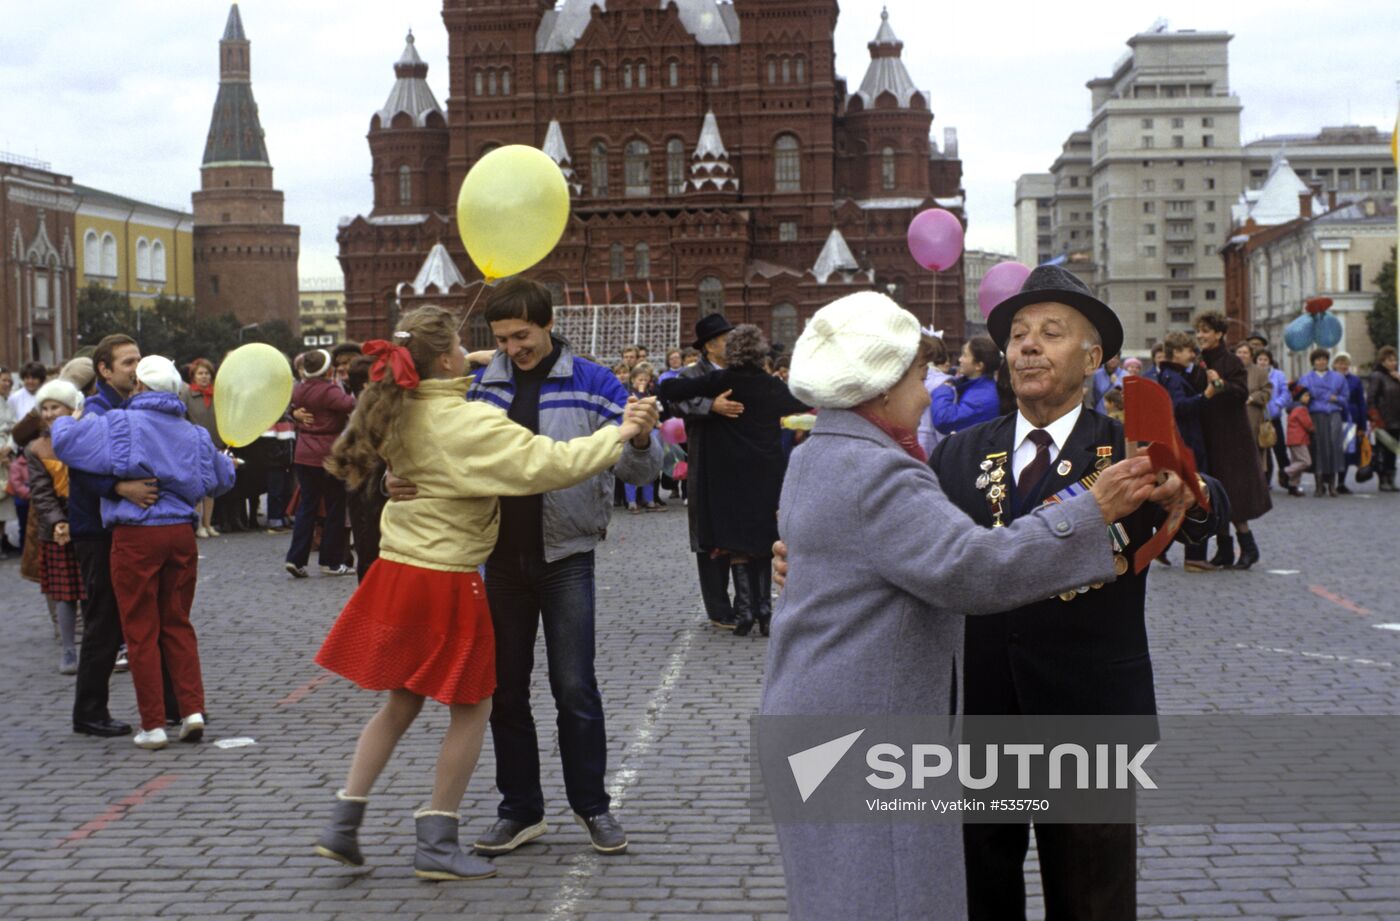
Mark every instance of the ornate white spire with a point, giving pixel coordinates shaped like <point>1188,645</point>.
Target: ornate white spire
<point>710,169</point>
<point>411,93</point>
<point>558,151</point>
<point>887,73</point>
<point>439,272</point>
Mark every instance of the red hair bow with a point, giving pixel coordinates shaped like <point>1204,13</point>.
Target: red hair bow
<point>391,358</point>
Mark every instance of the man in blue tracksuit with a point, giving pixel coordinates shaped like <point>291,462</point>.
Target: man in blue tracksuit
<point>543,566</point>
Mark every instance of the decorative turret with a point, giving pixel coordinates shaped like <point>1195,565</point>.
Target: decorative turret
<point>558,151</point>
<point>411,94</point>
<point>887,73</point>
<point>836,256</point>
<point>409,142</point>
<point>235,135</point>
<point>710,170</point>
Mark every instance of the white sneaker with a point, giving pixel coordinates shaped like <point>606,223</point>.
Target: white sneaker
<point>341,570</point>
<point>201,533</point>
<point>121,664</point>
<point>213,531</point>
<point>192,728</point>
<point>151,739</point>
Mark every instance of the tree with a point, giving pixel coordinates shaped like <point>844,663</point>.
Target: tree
<point>1381,321</point>
<point>102,312</point>
<point>276,333</point>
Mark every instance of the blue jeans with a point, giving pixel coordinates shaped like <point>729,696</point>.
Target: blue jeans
<point>648,493</point>
<point>317,484</point>
<point>522,591</point>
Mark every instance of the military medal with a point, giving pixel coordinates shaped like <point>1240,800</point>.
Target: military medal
<point>1064,468</point>
<point>1116,532</point>
<point>1105,457</point>
<point>989,481</point>
<point>1120,564</point>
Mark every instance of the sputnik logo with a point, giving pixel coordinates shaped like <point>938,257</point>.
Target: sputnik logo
<point>811,766</point>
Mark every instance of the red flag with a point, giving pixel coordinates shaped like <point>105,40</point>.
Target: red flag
<point>1148,416</point>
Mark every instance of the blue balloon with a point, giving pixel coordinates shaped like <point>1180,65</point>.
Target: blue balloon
<point>1299,334</point>
<point>1328,330</point>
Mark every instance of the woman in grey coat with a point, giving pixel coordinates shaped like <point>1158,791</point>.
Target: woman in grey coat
<point>882,574</point>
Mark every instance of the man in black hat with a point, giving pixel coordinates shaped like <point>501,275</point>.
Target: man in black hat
<point>711,333</point>
<point>1081,653</point>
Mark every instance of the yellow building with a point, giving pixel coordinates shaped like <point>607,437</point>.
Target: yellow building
<point>322,311</point>
<point>133,247</point>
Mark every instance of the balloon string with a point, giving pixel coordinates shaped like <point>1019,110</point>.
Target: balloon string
<point>467,316</point>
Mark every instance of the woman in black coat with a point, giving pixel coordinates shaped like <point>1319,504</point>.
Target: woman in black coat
<point>1383,396</point>
<point>738,515</point>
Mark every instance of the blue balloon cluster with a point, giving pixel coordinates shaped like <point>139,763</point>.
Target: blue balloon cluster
<point>1321,328</point>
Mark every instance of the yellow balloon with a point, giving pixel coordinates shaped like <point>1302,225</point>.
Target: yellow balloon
<point>252,391</point>
<point>512,210</point>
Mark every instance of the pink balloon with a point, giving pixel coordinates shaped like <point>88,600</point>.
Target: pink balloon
<point>936,239</point>
<point>673,431</point>
<point>1001,281</point>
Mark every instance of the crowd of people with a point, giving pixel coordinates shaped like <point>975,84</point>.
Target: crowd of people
<point>468,493</point>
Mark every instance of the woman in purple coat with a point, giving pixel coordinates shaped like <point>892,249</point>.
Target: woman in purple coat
<point>1328,406</point>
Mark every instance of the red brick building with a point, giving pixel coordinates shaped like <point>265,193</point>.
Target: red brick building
<point>38,269</point>
<point>245,256</point>
<point>716,159</point>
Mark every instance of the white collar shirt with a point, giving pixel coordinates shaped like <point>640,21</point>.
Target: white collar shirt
<point>1059,431</point>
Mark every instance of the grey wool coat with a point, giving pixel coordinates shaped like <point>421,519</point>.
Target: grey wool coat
<point>883,569</point>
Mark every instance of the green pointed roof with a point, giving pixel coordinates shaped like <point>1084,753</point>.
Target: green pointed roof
<point>235,134</point>
<point>233,31</point>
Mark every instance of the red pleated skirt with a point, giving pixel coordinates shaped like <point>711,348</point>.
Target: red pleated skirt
<point>419,630</point>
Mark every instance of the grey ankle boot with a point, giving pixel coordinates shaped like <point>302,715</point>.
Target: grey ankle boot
<point>340,839</point>
<point>439,855</point>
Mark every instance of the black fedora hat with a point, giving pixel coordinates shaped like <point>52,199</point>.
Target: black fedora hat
<point>709,327</point>
<point>1052,284</point>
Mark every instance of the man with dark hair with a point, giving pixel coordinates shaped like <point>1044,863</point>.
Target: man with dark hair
<point>115,360</point>
<point>542,570</point>
<point>32,374</point>
<point>341,357</point>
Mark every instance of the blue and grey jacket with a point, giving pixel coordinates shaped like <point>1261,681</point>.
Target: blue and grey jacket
<point>578,398</point>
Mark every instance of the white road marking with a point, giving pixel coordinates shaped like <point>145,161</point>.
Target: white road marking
<point>574,886</point>
<point>1316,655</point>
<point>1386,626</point>
<point>1283,572</point>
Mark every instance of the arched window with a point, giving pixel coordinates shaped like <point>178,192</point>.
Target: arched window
<point>158,261</point>
<point>784,326</point>
<point>491,85</point>
<point>887,175</point>
<point>772,71</point>
<point>637,169</point>
<point>711,295</point>
<point>143,259</point>
<point>598,169</point>
<point>642,75</point>
<point>480,83</point>
<point>675,75</point>
<point>479,335</point>
<point>505,82</point>
<point>675,167</point>
<point>109,255</point>
<point>787,70</point>
<point>92,254</point>
<point>801,70</point>
<point>627,76</point>
<point>561,80</point>
<point>597,76</point>
<point>714,73</point>
<point>405,186</point>
<point>787,165</point>
<point>617,261</point>
<point>641,260</point>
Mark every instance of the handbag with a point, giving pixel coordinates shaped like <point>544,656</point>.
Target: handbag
<point>1268,435</point>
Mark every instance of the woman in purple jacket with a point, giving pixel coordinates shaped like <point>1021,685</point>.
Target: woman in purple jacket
<point>330,408</point>
<point>1328,407</point>
<point>154,558</point>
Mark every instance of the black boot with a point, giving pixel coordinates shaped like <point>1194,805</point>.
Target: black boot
<point>744,604</point>
<point>714,590</point>
<point>762,573</point>
<point>1320,489</point>
<point>1225,552</point>
<point>1249,551</point>
<point>1342,489</point>
<point>1388,482</point>
<point>1331,485</point>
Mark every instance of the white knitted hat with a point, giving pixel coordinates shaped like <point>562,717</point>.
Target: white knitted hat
<point>158,373</point>
<point>60,391</point>
<point>853,350</point>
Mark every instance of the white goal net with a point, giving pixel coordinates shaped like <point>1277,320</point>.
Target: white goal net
<point>604,330</point>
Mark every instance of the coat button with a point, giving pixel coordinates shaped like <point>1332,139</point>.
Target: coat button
<point>1062,527</point>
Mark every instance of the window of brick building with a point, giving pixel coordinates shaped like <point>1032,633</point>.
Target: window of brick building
<point>641,260</point>
<point>787,165</point>
<point>675,167</point>
<point>597,76</point>
<point>674,73</point>
<point>801,66</point>
<point>772,70</point>
<point>887,170</point>
<point>784,325</point>
<point>561,80</point>
<point>617,261</point>
<point>491,83</point>
<point>714,73</point>
<point>627,76</point>
<point>787,231</point>
<point>598,169</point>
<point>787,70</point>
<point>637,169</point>
<point>711,292</point>
<point>479,83</point>
<point>405,186</point>
<point>642,75</point>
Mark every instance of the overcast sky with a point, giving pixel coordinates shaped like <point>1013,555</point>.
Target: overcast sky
<point>119,94</point>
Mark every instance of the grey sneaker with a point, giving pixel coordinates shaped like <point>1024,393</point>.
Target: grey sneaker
<point>507,834</point>
<point>68,665</point>
<point>297,572</point>
<point>605,832</point>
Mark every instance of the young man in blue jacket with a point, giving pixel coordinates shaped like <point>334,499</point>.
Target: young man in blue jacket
<point>542,569</point>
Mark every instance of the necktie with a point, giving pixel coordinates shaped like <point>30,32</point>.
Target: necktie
<point>1035,471</point>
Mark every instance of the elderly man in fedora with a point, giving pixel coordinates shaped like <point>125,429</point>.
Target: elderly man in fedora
<point>700,414</point>
<point>1080,653</point>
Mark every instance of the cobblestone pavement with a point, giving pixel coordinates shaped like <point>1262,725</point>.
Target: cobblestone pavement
<point>97,829</point>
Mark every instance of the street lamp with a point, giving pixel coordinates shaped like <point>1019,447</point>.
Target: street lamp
<point>245,329</point>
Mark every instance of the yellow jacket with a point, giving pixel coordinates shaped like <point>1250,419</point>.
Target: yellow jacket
<point>462,456</point>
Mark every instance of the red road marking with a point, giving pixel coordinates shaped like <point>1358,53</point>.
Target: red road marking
<point>305,689</point>
<point>1339,601</point>
<point>139,796</point>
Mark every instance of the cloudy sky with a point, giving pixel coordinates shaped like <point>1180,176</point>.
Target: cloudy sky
<point>119,94</point>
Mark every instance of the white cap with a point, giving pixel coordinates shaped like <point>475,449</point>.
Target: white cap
<point>60,391</point>
<point>158,373</point>
<point>853,350</point>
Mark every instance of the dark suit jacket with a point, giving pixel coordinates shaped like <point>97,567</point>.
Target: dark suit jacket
<point>1087,656</point>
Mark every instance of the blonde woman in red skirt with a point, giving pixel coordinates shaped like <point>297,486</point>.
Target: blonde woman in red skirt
<point>418,626</point>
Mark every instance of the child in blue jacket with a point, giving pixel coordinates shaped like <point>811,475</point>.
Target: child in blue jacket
<point>154,559</point>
